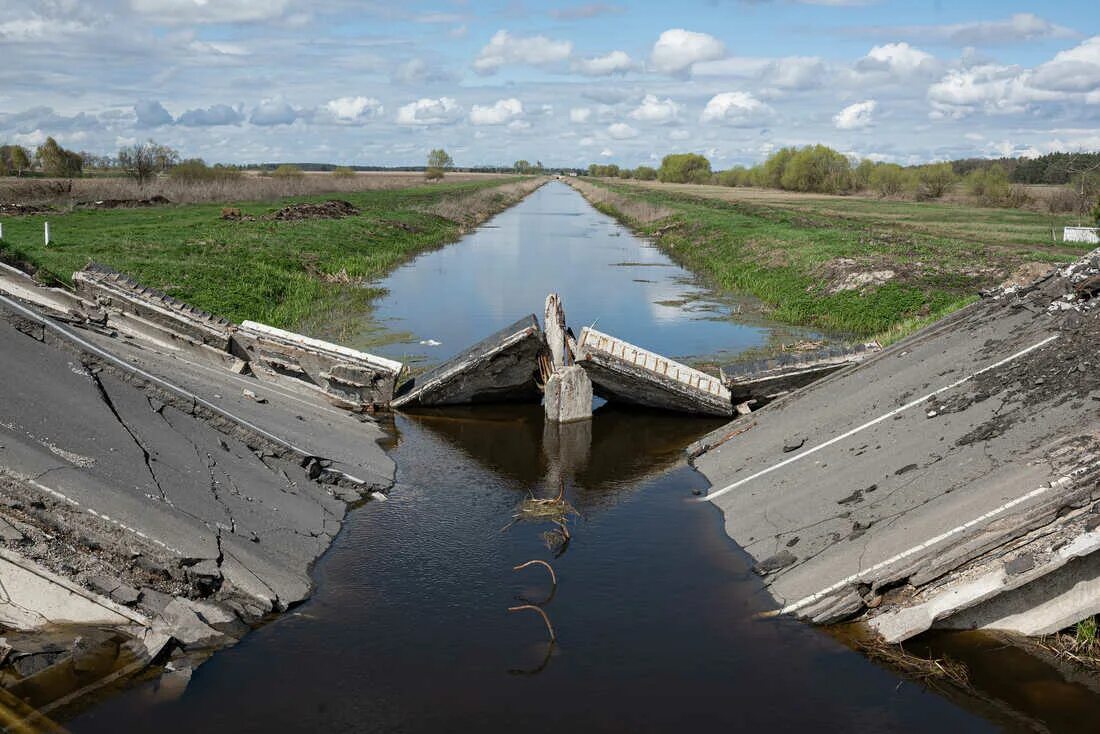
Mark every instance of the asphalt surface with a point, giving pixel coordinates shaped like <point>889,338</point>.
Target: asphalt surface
<point>924,458</point>
<point>71,428</point>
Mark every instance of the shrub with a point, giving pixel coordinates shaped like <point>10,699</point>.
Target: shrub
<point>195,170</point>
<point>861,174</point>
<point>645,173</point>
<point>934,180</point>
<point>1096,212</point>
<point>343,172</point>
<point>771,173</point>
<point>888,179</point>
<point>684,168</point>
<point>736,176</point>
<point>816,168</point>
<point>286,170</point>
<point>989,186</point>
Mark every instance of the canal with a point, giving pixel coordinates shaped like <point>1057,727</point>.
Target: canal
<point>655,608</point>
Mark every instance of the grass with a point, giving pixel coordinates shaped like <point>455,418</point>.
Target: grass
<point>306,275</point>
<point>812,259</point>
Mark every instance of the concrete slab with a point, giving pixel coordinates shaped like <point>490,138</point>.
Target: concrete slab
<point>622,372</point>
<point>503,367</point>
<point>856,492</point>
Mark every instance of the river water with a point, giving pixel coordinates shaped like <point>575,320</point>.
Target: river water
<point>409,628</point>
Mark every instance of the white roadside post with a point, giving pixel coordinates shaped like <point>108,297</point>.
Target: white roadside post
<point>46,232</point>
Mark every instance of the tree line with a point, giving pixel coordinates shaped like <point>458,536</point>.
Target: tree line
<point>820,169</point>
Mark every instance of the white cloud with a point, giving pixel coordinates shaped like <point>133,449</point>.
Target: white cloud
<point>676,50</point>
<point>616,62</point>
<point>505,49</point>
<point>203,11</point>
<point>621,131</point>
<point>739,109</point>
<point>679,134</point>
<point>151,113</point>
<point>855,116</point>
<point>607,153</point>
<point>501,112</point>
<point>794,72</point>
<point>899,59</point>
<point>273,112</point>
<point>580,114</point>
<point>353,110</point>
<point>656,110</point>
<point>1074,70</point>
<point>426,111</point>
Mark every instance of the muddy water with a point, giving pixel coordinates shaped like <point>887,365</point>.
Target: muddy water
<point>409,628</point>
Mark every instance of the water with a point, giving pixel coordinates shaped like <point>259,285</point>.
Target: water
<point>554,241</point>
<point>409,630</point>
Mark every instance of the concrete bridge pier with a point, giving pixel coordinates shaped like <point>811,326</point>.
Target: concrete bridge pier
<point>567,396</point>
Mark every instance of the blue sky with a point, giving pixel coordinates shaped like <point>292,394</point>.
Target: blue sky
<point>566,82</point>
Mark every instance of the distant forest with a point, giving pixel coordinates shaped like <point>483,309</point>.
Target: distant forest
<point>1053,168</point>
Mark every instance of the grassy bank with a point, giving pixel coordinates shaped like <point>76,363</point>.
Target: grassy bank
<point>295,274</point>
<point>847,264</point>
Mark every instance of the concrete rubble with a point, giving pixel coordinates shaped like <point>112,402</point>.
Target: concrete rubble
<point>764,380</point>
<point>503,367</point>
<point>567,392</point>
<point>622,372</point>
<point>950,480</point>
<point>153,486</point>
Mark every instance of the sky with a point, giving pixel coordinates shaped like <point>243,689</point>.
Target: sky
<point>565,82</point>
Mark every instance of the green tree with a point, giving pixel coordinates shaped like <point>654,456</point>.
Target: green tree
<point>861,174</point>
<point>439,161</point>
<point>989,186</point>
<point>816,168</point>
<point>934,180</point>
<point>775,166</point>
<point>57,161</point>
<point>1096,213</point>
<point>684,168</point>
<point>522,166</point>
<point>645,173</point>
<point>888,179</point>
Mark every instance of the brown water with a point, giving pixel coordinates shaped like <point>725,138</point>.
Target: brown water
<point>409,628</point>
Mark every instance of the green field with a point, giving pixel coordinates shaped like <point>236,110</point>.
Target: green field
<point>294,274</point>
<point>854,265</point>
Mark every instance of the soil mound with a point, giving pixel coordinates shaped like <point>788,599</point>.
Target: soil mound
<point>156,200</point>
<point>19,210</point>
<point>333,209</point>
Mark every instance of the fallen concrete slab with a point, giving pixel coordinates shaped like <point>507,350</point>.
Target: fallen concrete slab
<point>352,378</point>
<point>764,380</point>
<point>622,372</point>
<point>114,291</point>
<point>899,489</point>
<point>502,368</point>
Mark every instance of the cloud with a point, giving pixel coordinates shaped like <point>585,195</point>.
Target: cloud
<point>204,11</point>
<point>501,112</point>
<point>856,116</point>
<point>621,131</point>
<point>584,12</point>
<point>505,49</point>
<point>680,134</point>
<point>352,110</point>
<point>656,110</point>
<point>794,72</point>
<point>1018,28</point>
<point>991,88</point>
<point>739,109</point>
<point>273,112</point>
<point>426,111</point>
<point>607,153</point>
<point>419,71</point>
<point>899,59</point>
<point>676,50</point>
<point>580,114</point>
<point>151,113</point>
<point>219,114</point>
<point>616,62</point>
<point>1074,70</point>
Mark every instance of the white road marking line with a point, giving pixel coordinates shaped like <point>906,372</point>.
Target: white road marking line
<point>795,606</point>
<point>876,421</point>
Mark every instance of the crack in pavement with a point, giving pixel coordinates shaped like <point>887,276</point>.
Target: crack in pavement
<point>93,374</point>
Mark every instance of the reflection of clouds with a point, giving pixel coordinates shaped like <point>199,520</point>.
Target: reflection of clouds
<point>555,242</point>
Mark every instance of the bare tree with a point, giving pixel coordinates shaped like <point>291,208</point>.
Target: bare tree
<point>142,161</point>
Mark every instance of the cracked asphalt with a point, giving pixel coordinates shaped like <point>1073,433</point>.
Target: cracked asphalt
<point>72,429</point>
<point>880,492</point>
